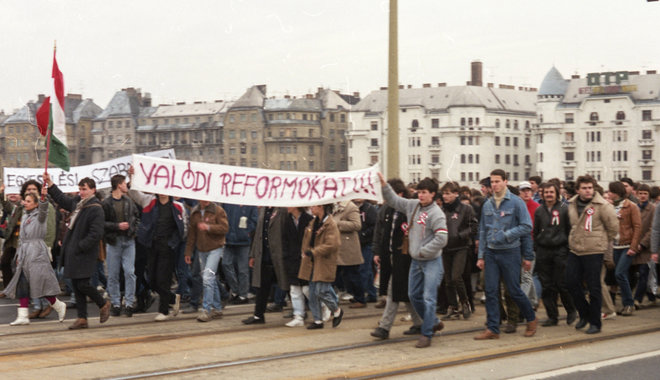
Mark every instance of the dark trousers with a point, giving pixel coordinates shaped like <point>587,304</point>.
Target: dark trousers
<point>83,288</point>
<point>551,269</point>
<point>585,268</point>
<point>384,274</point>
<point>160,265</point>
<point>642,284</point>
<point>268,278</point>
<point>6,261</point>
<point>350,275</point>
<point>454,264</point>
<point>196,282</point>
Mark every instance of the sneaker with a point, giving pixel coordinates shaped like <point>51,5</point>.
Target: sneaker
<point>204,316</point>
<point>163,317</point>
<point>177,305</point>
<point>216,314</point>
<point>128,311</point>
<point>380,333</point>
<point>627,311</point>
<point>608,316</point>
<point>347,297</point>
<point>297,321</point>
<point>115,311</point>
<point>240,301</point>
<point>253,320</point>
<point>336,320</point>
<point>314,326</point>
<point>452,313</point>
<point>467,310</point>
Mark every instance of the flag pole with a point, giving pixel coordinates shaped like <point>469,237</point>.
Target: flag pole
<point>50,124</point>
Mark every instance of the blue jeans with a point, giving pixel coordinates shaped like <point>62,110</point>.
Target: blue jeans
<point>367,273</point>
<point>585,268</point>
<point>209,261</point>
<point>504,263</point>
<point>322,292</point>
<point>121,255</point>
<point>423,282</point>
<point>623,262</point>
<point>236,269</point>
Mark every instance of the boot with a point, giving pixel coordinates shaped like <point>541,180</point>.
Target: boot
<point>60,308</point>
<point>467,311</point>
<point>22,318</point>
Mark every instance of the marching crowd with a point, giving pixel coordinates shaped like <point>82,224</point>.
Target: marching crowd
<point>430,247</point>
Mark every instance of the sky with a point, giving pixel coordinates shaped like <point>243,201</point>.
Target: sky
<point>204,50</point>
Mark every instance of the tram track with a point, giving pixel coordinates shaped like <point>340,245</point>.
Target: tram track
<point>150,338</point>
<point>388,372</point>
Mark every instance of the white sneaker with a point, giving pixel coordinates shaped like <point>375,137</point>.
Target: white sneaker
<point>608,316</point>
<point>162,317</point>
<point>297,321</point>
<point>60,308</point>
<point>326,313</point>
<point>347,297</point>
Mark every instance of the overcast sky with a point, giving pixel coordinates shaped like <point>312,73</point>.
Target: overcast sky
<point>216,49</point>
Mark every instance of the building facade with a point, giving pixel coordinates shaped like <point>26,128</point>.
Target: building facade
<point>605,125</point>
<point>457,133</point>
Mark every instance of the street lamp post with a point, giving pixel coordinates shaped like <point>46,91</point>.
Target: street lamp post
<point>392,152</point>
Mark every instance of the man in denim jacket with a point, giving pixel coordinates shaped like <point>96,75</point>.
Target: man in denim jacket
<point>504,230</point>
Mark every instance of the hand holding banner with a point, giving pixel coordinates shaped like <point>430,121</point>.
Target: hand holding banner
<point>251,186</point>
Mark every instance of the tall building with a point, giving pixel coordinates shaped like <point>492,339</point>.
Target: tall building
<point>457,133</point>
<point>113,131</point>
<point>604,125</point>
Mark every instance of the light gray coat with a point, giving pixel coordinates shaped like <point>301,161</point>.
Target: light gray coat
<point>32,256</point>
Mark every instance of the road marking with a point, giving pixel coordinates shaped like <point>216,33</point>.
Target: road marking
<point>589,366</point>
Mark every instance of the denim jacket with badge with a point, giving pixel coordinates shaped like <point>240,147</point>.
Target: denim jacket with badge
<point>503,227</point>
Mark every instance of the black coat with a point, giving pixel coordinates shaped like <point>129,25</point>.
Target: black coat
<point>292,238</point>
<point>548,234</point>
<point>381,246</point>
<point>462,225</point>
<point>368,215</point>
<point>131,215</point>
<point>81,244</point>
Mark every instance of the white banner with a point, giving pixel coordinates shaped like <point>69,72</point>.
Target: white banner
<point>101,173</point>
<point>250,186</point>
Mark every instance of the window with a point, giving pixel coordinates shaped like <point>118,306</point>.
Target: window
<point>507,159</point>
<point>243,134</point>
<point>311,149</point>
<point>435,123</point>
<point>647,175</point>
<point>332,117</point>
<point>435,140</point>
<point>507,141</point>
<point>569,137</point>
<point>476,157</point>
<point>647,134</point>
<point>541,157</point>
<point>646,115</point>
<point>497,140</point>
<point>374,142</point>
<point>462,158</point>
<point>527,161</point>
<point>374,125</point>
<point>497,158</point>
<point>515,125</point>
<point>508,123</point>
<point>497,123</point>
<point>568,118</point>
<point>515,160</point>
<point>311,132</point>
<point>593,116</point>
<point>342,119</point>
<point>462,140</point>
<point>253,149</point>
<point>253,134</point>
<point>435,158</point>
<point>515,176</point>
<point>463,121</point>
<point>470,121</point>
<point>527,142</point>
<point>515,141</point>
<point>647,154</point>
<point>540,138</point>
<point>569,156</point>
<point>253,117</point>
<point>621,115</point>
<point>463,176</point>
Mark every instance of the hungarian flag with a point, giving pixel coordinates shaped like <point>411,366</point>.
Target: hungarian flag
<point>51,118</point>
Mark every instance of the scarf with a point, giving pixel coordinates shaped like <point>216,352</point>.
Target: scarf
<point>74,214</point>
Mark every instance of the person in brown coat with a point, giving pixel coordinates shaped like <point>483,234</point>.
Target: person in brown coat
<point>319,264</point>
<point>347,217</point>
<point>206,233</point>
<point>643,257</point>
<point>627,242</point>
